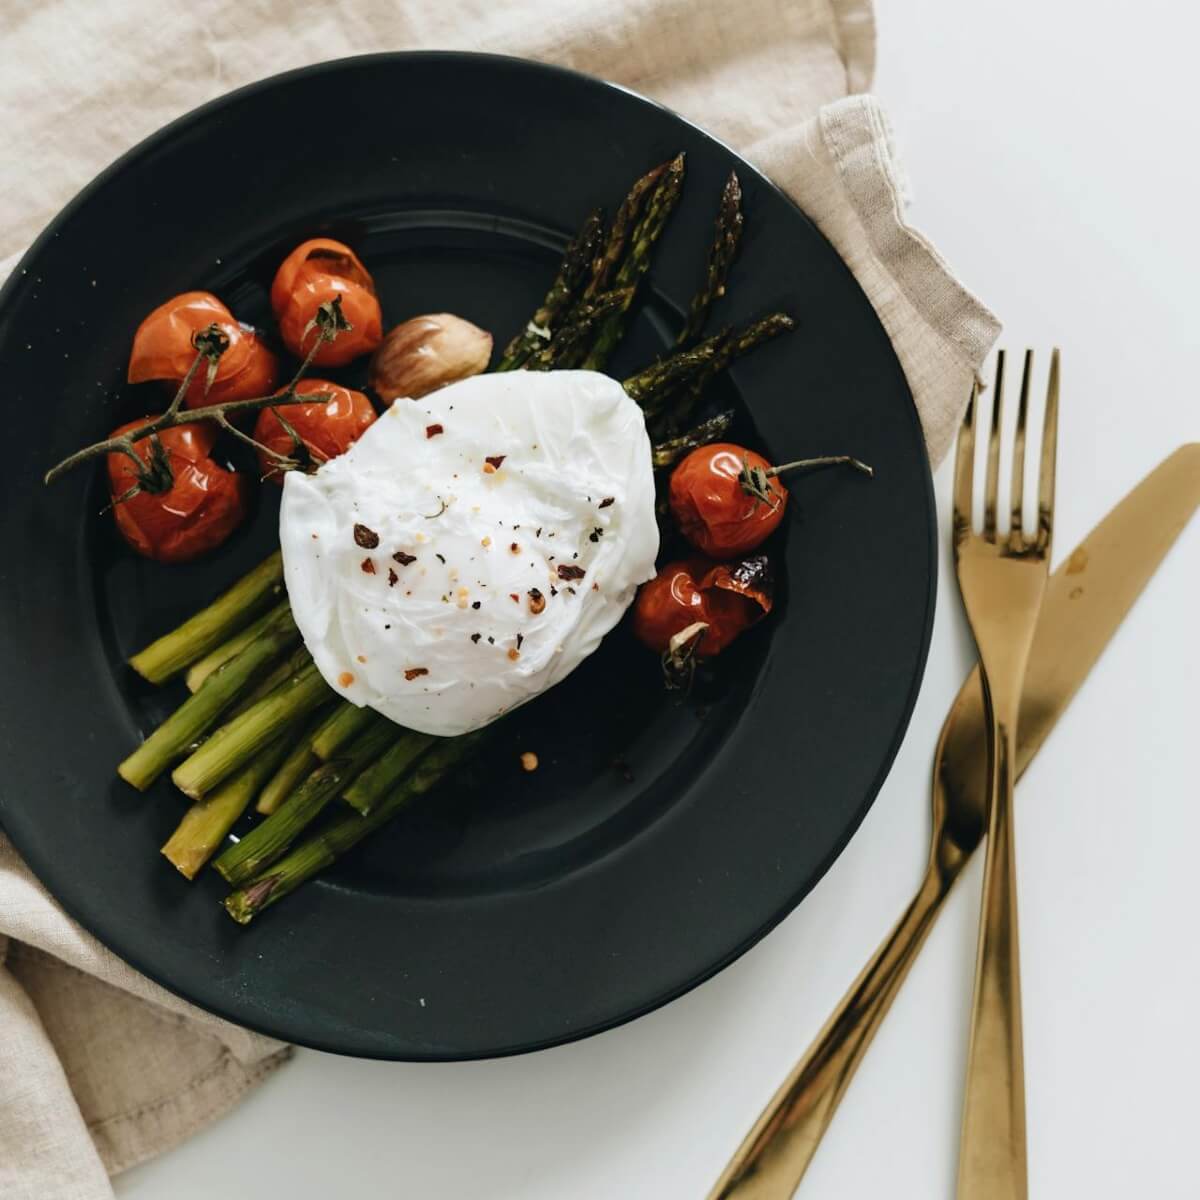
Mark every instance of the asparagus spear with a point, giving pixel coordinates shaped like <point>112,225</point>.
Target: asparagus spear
<point>237,741</point>
<point>570,343</point>
<point>653,387</point>
<point>721,254</point>
<point>667,453</point>
<point>636,262</point>
<point>572,272</point>
<point>272,837</point>
<point>276,677</point>
<point>377,781</point>
<point>300,762</point>
<point>206,823</point>
<point>319,852</point>
<point>212,625</point>
<point>346,721</point>
<point>605,264</point>
<point>201,711</point>
<point>200,670</point>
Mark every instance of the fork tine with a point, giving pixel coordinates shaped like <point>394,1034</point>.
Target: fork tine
<point>1016,493</point>
<point>964,465</point>
<point>1049,458</point>
<point>992,484</point>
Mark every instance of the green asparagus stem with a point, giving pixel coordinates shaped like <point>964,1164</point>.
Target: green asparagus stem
<point>206,823</point>
<point>201,711</point>
<point>667,453</point>
<point>276,677</point>
<point>268,840</point>
<point>319,852</point>
<point>236,742</point>
<point>166,657</point>
<point>377,781</point>
<point>199,671</point>
<point>605,264</point>
<point>346,721</point>
<point>570,343</point>
<point>300,762</point>
<point>572,272</point>
<point>636,262</point>
<point>653,387</point>
<point>721,254</point>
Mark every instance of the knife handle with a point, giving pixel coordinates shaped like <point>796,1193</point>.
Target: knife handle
<point>771,1161</point>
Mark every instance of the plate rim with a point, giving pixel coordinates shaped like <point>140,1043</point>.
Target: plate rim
<point>229,1011</point>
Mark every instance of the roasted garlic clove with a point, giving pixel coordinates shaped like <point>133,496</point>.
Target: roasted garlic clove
<point>425,353</point>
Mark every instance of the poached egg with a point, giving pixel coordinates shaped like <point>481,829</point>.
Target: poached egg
<point>473,547</point>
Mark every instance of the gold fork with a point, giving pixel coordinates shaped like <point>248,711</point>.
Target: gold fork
<point>1002,578</point>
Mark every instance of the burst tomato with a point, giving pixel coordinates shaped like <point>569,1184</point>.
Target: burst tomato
<point>327,428</point>
<point>715,509</point>
<point>203,504</point>
<point>316,271</point>
<point>163,349</point>
<point>726,598</point>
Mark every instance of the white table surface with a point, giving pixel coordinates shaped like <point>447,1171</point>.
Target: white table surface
<point>1053,154</point>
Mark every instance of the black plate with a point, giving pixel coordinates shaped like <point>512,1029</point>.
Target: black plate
<point>660,838</point>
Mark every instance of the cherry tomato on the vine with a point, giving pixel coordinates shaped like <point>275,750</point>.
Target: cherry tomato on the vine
<point>727,598</point>
<point>317,271</point>
<point>163,350</point>
<point>715,509</point>
<point>203,504</point>
<point>326,427</point>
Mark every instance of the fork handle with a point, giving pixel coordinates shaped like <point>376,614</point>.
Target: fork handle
<point>772,1159</point>
<point>992,1159</point>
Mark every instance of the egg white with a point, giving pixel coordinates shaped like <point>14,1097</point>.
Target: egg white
<point>574,493</point>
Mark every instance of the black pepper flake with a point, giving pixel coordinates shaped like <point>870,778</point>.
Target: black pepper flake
<point>477,604</point>
<point>571,590</point>
<point>368,567</point>
<point>393,578</point>
<point>433,430</point>
<point>607,501</point>
<point>404,559</point>
<point>441,558</point>
<point>576,554</point>
<point>567,571</point>
<point>520,639</point>
<point>491,641</point>
<point>415,673</point>
<point>554,591</point>
<point>387,627</point>
<point>596,534</point>
<point>539,532</point>
<point>495,460</point>
<point>368,539</point>
<point>475,637</point>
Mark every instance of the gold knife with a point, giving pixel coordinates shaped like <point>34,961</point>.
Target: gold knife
<point>1086,600</point>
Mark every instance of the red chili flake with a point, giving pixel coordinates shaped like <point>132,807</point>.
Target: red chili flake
<point>537,602</point>
<point>368,539</point>
<point>514,654</point>
<point>368,566</point>
<point>476,636</point>
<point>495,460</point>
<point>567,571</point>
<point>433,430</point>
<point>607,501</point>
<point>514,547</point>
<point>415,673</point>
<point>514,597</point>
<point>393,578</point>
<point>404,559</point>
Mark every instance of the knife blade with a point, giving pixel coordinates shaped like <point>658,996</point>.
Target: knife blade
<point>1086,600</point>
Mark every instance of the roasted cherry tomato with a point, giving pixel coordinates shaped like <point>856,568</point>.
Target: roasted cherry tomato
<point>327,428</point>
<point>163,349</point>
<point>713,499</point>
<point>316,271</point>
<point>201,506</point>
<point>728,500</point>
<point>725,598</point>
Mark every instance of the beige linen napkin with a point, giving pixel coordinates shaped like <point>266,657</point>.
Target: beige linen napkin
<point>99,1068</point>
